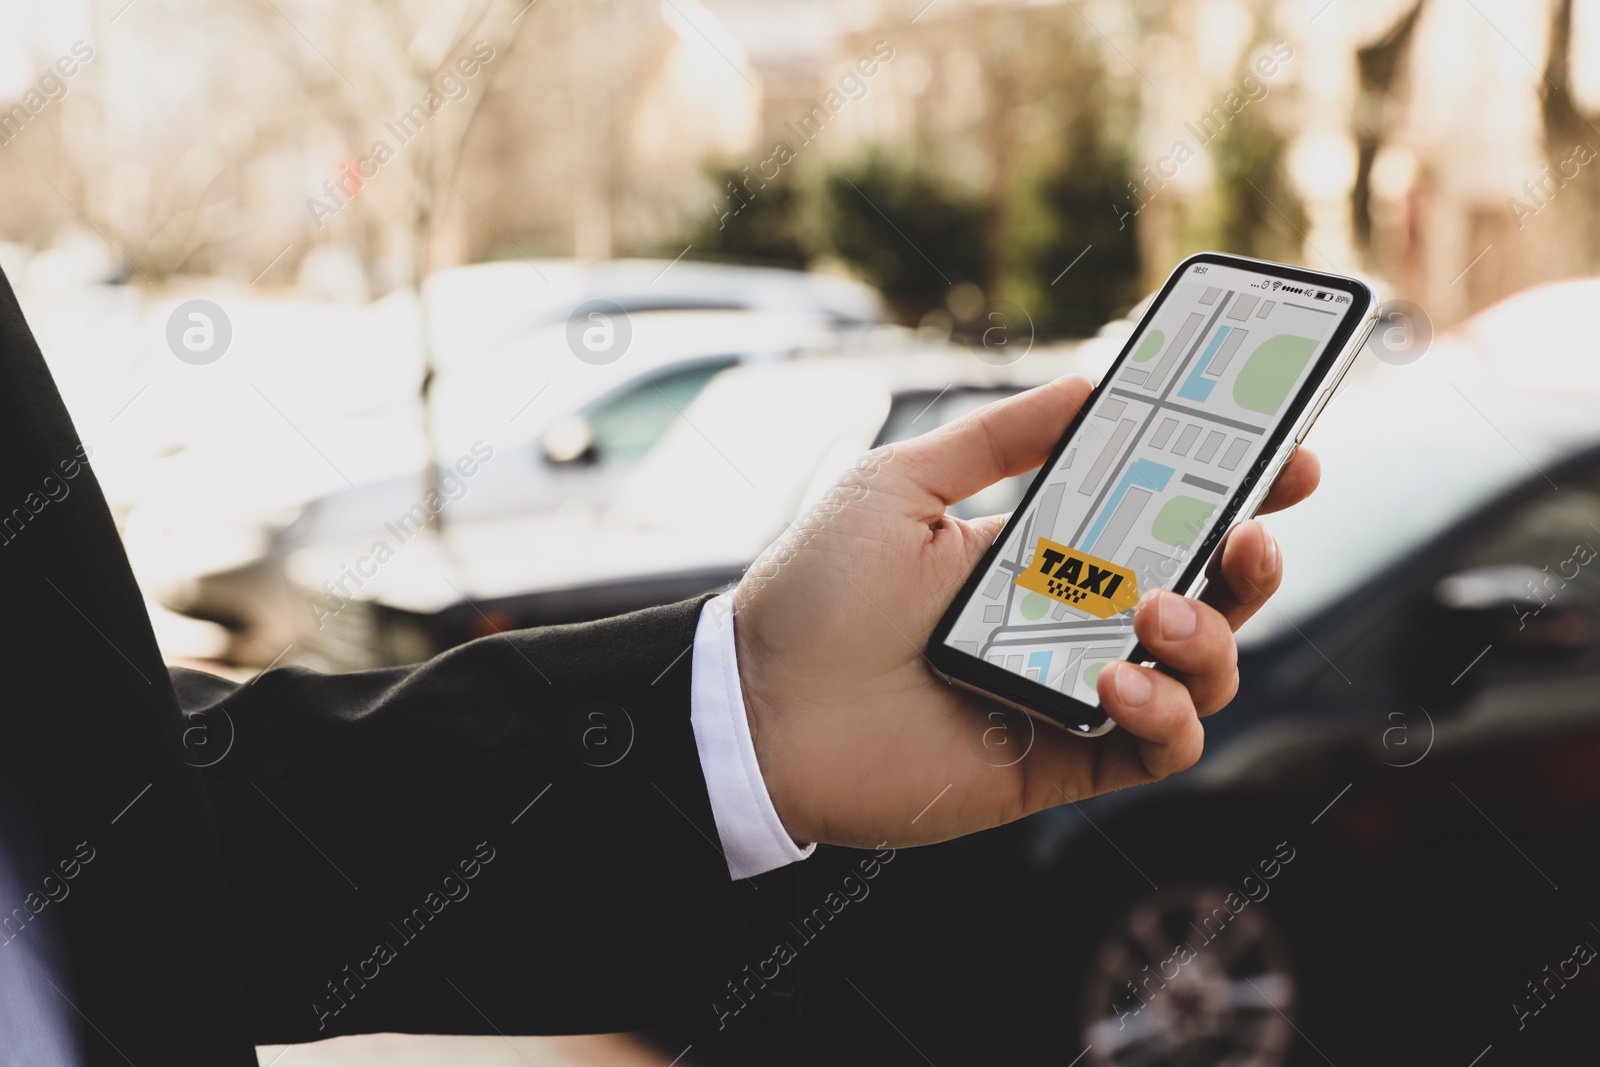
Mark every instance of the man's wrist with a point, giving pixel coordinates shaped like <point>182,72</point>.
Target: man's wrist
<point>754,837</point>
<point>759,718</point>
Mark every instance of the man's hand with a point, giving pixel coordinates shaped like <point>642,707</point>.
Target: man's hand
<point>862,744</point>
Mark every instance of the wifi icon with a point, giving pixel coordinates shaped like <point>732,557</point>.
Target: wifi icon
<point>1275,286</point>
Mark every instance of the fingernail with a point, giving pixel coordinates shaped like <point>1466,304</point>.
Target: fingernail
<point>1175,618</point>
<point>1271,551</point>
<point>1133,688</point>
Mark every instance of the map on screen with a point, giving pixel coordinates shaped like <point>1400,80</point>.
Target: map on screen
<point>1164,446</point>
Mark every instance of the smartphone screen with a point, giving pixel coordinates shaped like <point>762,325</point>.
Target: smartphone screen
<point>1151,473</point>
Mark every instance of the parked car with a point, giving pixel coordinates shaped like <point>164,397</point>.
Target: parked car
<point>562,432</point>
<point>737,465</point>
<point>1389,853</point>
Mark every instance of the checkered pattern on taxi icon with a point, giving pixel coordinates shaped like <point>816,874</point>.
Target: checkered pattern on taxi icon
<point>1063,590</point>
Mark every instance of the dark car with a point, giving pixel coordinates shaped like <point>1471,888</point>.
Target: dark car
<point>1390,853</point>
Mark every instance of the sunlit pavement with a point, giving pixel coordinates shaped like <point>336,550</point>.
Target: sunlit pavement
<point>409,1050</point>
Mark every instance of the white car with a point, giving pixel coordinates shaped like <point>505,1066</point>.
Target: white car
<point>561,431</point>
<point>754,449</point>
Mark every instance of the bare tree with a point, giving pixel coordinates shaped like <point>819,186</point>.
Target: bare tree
<point>403,84</point>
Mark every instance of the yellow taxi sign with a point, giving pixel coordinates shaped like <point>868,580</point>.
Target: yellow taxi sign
<point>1077,579</point>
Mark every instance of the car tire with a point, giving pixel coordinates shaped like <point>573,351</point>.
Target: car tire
<point>1206,939</point>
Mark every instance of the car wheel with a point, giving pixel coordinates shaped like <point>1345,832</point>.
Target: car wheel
<point>1207,937</point>
<point>1181,978</point>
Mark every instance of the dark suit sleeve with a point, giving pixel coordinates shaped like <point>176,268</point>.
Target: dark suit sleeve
<point>513,837</point>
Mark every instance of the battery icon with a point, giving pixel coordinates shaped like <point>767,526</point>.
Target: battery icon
<point>1323,295</point>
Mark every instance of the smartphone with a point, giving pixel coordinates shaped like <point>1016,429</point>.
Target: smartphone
<point>1182,438</point>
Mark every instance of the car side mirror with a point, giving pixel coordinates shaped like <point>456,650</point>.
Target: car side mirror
<point>1524,612</point>
<point>570,441</point>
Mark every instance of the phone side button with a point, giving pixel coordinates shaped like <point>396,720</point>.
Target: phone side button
<point>1264,490</point>
<point>1322,402</point>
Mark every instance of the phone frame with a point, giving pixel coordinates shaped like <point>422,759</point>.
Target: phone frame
<point>1294,423</point>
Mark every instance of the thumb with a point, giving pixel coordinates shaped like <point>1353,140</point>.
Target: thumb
<point>984,531</point>
<point>1008,437</point>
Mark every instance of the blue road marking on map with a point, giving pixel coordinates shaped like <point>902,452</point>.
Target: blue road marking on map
<point>1153,476</point>
<point>1198,387</point>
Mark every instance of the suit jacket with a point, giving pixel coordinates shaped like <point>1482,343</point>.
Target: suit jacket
<point>445,848</point>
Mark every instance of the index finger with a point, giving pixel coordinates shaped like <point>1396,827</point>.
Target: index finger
<point>1005,438</point>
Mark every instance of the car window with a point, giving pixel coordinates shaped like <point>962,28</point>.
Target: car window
<point>918,412</point>
<point>627,425</point>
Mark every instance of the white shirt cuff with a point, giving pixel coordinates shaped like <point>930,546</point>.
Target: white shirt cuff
<point>753,839</point>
